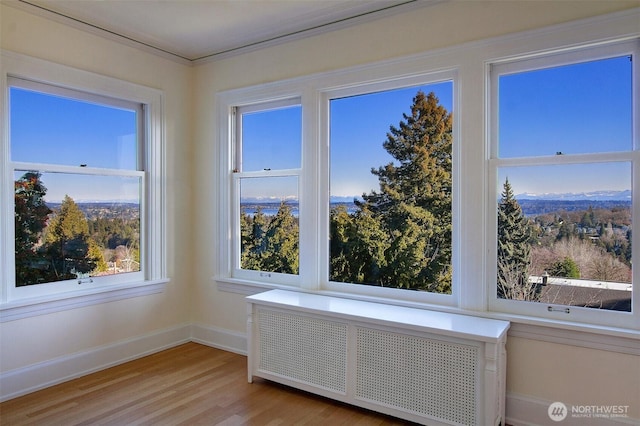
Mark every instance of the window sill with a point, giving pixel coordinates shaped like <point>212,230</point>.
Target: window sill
<point>26,308</point>
<point>248,288</point>
<point>609,339</point>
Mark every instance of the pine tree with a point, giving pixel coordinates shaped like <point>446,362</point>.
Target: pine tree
<point>514,251</point>
<point>414,201</point>
<point>566,267</point>
<point>281,243</point>
<point>31,215</point>
<point>270,244</point>
<point>252,232</point>
<point>68,242</point>
<point>358,246</point>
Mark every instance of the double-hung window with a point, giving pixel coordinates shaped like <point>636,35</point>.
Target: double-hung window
<point>266,180</point>
<point>564,172</point>
<point>391,189</point>
<point>81,182</point>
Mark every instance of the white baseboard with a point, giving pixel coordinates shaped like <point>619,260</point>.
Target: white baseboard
<point>34,377</point>
<point>523,410</point>
<point>219,338</point>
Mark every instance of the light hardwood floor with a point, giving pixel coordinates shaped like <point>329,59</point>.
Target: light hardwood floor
<point>190,384</point>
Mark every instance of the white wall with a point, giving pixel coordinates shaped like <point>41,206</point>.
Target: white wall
<point>31,341</point>
<point>536,370</point>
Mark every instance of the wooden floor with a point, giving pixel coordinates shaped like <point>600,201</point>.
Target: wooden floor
<point>190,384</point>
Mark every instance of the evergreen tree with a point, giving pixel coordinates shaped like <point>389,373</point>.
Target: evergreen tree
<point>413,205</point>
<point>281,243</point>
<point>358,246</point>
<point>566,268</point>
<point>514,251</point>
<point>31,215</point>
<point>270,244</point>
<point>68,242</point>
<point>252,232</point>
<point>96,253</point>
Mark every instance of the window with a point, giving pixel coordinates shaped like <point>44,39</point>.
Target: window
<point>63,149</point>
<point>530,158</point>
<point>82,183</point>
<point>563,164</point>
<point>297,165</point>
<point>391,188</point>
<point>266,188</point>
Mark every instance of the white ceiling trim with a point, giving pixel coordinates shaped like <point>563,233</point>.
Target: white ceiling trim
<point>384,11</point>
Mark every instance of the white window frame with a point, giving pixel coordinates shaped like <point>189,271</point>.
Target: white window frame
<point>382,293</point>
<point>474,206</point>
<point>516,65</point>
<point>314,93</point>
<point>238,174</point>
<point>27,301</point>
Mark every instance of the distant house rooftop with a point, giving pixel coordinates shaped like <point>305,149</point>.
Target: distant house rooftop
<point>602,298</point>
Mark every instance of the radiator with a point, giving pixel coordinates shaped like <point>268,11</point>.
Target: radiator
<point>428,367</point>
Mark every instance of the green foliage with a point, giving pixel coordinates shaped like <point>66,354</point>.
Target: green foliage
<point>514,251</point>
<point>110,233</point>
<point>31,215</point>
<point>411,213</point>
<point>270,244</point>
<point>54,246</point>
<point>68,242</point>
<point>566,268</point>
<point>95,252</point>
<point>358,247</point>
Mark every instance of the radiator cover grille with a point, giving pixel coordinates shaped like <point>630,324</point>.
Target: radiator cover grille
<point>424,376</point>
<point>307,349</point>
<point>429,367</point>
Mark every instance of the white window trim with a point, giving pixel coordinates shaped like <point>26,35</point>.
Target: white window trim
<point>516,65</point>
<point>45,72</point>
<point>352,85</point>
<point>314,93</point>
<point>238,174</point>
<point>472,63</point>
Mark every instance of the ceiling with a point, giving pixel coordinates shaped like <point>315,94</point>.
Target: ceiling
<point>197,30</point>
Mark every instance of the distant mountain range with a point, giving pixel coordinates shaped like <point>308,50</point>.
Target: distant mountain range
<point>580,196</point>
<point>569,196</point>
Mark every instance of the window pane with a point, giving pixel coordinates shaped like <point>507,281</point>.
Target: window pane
<point>390,221</point>
<point>578,108</point>
<point>50,129</point>
<point>272,139</point>
<point>66,230</point>
<point>564,235</point>
<point>269,227</point>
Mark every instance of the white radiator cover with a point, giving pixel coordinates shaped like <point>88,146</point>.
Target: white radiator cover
<point>429,367</point>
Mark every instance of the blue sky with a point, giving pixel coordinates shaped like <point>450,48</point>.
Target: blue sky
<point>577,109</point>
<point>359,127</point>
<point>57,130</point>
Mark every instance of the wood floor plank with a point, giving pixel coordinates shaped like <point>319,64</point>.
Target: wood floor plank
<point>188,385</point>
